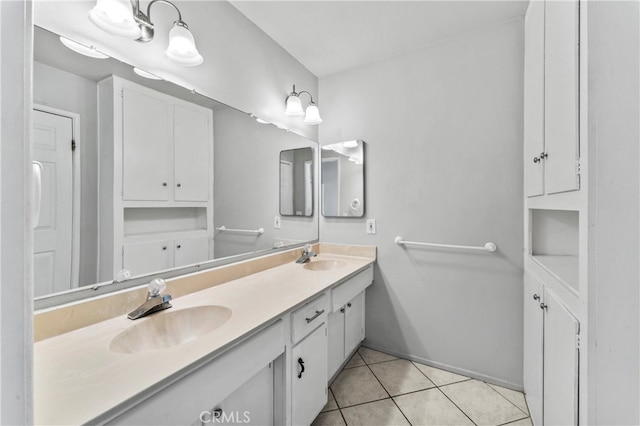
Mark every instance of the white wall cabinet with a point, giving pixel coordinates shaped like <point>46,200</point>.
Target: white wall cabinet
<point>346,331</point>
<point>551,356</point>
<point>156,174</point>
<point>165,148</point>
<point>551,102</point>
<point>141,258</point>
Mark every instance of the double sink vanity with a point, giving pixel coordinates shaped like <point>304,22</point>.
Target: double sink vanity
<point>255,342</point>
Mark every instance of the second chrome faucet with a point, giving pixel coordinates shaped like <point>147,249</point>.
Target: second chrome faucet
<point>155,301</point>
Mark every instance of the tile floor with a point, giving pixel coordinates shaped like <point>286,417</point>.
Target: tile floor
<point>376,389</point>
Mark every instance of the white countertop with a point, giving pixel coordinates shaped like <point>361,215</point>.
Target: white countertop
<point>77,377</point>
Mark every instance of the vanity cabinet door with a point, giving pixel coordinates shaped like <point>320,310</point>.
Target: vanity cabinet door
<point>192,130</point>
<point>191,250</point>
<point>251,403</point>
<point>353,324</point>
<point>335,331</point>
<point>146,146</point>
<point>309,377</point>
<point>143,258</point>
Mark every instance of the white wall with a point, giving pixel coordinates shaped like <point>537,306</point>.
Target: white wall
<point>16,245</point>
<point>614,206</point>
<point>243,67</point>
<point>443,163</point>
<point>69,92</point>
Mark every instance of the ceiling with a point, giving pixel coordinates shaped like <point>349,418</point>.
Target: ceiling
<point>332,36</point>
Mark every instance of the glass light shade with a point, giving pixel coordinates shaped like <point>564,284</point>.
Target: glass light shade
<point>115,17</point>
<point>89,51</point>
<point>182,47</point>
<point>312,116</point>
<point>294,106</point>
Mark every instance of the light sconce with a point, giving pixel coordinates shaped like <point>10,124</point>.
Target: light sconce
<point>294,107</point>
<point>124,18</point>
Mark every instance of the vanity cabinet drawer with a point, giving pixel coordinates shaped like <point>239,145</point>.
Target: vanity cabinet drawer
<point>343,293</point>
<point>309,317</point>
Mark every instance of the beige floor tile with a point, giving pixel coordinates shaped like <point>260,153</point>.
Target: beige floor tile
<point>378,413</point>
<point>331,403</point>
<point>523,422</point>
<point>516,398</point>
<point>356,386</point>
<point>355,361</point>
<point>371,356</point>
<point>430,407</point>
<point>440,377</point>
<point>481,403</point>
<point>329,418</point>
<point>400,376</point>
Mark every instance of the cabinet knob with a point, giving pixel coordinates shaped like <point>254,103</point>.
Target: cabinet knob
<point>164,247</point>
<point>349,305</point>
<point>543,155</point>
<point>543,306</point>
<point>536,297</point>
<point>179,185</point>
<point>301,364</point>
<point>342,310</point>
<point>217,413</point>
<point>164,183</point>
<point>536,159</point>
<point>178,246</point>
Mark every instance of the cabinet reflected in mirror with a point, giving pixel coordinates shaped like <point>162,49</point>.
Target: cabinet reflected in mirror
<point>296,182</point>
<point>342,179</point>
<point>147,186</point>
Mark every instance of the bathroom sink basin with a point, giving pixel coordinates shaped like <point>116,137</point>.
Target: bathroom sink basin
<point>169,328</point>
<point>324,265</point>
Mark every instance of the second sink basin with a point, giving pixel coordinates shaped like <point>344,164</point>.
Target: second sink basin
<point>324,265</point>
<point>169,328</point>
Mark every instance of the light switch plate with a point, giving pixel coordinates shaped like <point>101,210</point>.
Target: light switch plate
<point>371,226</point>
<point>276,222</point>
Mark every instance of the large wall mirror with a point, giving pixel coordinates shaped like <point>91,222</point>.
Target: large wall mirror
<point>117,208</point>
<point>342,179</point>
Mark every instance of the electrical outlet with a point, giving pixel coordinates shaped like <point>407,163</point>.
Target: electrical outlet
<point>276,222</point>
<point>371,226</point>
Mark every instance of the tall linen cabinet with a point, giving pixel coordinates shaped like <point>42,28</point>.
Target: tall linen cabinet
<point>156,180</point>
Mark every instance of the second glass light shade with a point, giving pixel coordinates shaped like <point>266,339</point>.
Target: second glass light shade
<point>182,47</point>
<point>312,115</point>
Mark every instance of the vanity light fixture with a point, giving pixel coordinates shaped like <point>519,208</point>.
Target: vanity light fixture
<point>124,18</point>
<point>294,107</point>
<point>89,51</point>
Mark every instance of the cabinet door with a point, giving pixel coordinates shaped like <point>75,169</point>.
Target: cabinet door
<point>146,142</point>
<point>335,331</point>
<point>192,135</point>
<point>309,377</point>
<point>561,95</point>
<point>147,257</point>
<point>191,250</point>
<point>534,98</point>
<point>533,340</point>
<point>353,323</point>
<point>251,403</point>
<point>560,363</point>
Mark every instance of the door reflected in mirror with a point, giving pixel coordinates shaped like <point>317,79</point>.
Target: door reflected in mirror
<point>296,182</point>
<point>342,179</point>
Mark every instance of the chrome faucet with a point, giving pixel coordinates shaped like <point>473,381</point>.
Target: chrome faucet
<point>307,254</point>
<point>155,302</point>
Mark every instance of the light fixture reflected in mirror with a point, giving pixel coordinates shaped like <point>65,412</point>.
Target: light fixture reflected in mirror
<point>146,74</point>
<point>124,18</point>
<point>294,107</point>
<point>89,51</point>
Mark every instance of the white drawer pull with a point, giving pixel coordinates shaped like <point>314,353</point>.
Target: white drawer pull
<point>318,313</point>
